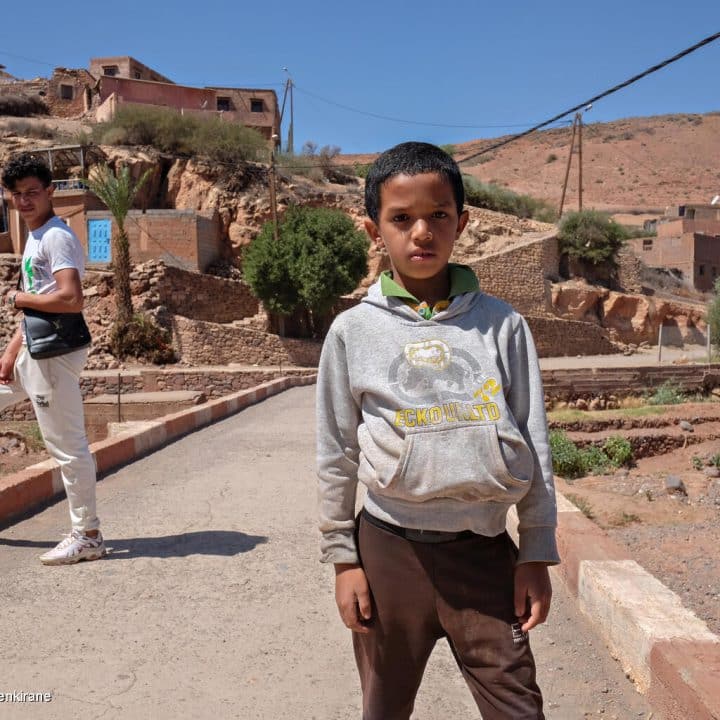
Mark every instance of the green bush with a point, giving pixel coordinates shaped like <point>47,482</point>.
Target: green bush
<point>362,169</point>
<point>591,236</point>
<point>320,256</point>
<point>494,197</point>
<point>669,393</point>
<point>567,460</point>
<point>189,135</point>
<point>618,450</point>
<point>552,157</point>
<point>571,462</point>
<point>449,148</point>
<point>594,460</point>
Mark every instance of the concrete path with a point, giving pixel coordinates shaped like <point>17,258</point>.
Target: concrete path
<point>212,603</point>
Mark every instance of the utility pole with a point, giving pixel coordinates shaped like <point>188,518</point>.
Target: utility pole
<point>567,167</point>
<point>290,149</point>
<point>576,128</point>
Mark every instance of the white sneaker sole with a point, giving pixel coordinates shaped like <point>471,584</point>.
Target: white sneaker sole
<point>88,555</point>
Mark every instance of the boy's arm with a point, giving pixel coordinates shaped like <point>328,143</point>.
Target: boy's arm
<point>537,511</point>
<point>338,417</point>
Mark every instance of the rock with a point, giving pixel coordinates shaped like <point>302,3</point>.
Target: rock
<point>712,471</point>
<point>581,404</point>
<point>674,485</point>
<point>686,426</point>
<point>596,404</point>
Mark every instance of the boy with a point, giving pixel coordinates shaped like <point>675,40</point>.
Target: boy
<point>52,268</point>
<point>429,394</point>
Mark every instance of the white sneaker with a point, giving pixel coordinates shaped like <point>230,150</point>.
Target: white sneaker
<point>73,548</point>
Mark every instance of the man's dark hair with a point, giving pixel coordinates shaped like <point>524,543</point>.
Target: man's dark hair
<point>25,166</point>
<point>411,158</point>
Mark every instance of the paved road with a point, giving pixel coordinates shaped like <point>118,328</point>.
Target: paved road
<point>213,605</point>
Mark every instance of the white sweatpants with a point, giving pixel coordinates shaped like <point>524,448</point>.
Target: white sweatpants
<point>53,386</point>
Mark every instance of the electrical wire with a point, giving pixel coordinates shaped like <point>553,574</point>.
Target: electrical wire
<point>595,98</point>
<point>401,120</point>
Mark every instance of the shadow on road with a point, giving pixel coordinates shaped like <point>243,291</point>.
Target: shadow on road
<point>205,542</point>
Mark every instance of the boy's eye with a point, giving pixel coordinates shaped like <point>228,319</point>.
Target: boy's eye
<point>440,214</point>
<point>400,217</point>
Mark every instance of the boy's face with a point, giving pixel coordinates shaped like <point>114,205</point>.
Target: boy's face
<point>33,201</point>
<point>418,224</point>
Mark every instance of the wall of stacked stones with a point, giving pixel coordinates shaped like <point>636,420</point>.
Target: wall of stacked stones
<point>557,337</point>
<point>196,296</point>
<point>522,276</point>
<point>205,343</point>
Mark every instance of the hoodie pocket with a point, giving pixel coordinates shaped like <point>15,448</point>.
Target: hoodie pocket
<point>462,463</point>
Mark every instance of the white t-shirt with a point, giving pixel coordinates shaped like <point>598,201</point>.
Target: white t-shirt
<point>51,247</point>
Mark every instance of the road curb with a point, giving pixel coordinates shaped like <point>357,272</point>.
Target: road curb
<point>666,649</point>
<point>35,485</point>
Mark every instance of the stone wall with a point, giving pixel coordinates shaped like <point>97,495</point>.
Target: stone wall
<point>557,337</point>
<point>522,275</point>
<point>205,343</point>
<point>569,384</point>
<point>630,270</point>
<point>197,296</point>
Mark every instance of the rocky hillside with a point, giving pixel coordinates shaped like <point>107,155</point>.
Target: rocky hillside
<point>638,164</point>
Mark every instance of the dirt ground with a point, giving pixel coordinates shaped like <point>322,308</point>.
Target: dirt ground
<point>673,532</point>
<point>20,446</point>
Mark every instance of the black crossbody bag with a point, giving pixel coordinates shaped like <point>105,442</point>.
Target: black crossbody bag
<point>52,334</point>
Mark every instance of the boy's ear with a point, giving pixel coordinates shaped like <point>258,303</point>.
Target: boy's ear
<point>373,232</point>
<point>462,222</point>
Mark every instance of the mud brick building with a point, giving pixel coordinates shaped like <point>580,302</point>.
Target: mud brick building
<point>126,81</point>
<point>688,240</point>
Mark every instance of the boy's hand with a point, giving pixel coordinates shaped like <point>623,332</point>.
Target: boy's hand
<point>352,595</point>
<point>533,593</point>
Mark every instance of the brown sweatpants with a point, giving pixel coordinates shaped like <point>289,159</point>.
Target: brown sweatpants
<point>461,590</point>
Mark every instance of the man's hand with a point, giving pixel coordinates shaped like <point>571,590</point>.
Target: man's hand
<point>7,367</point>
<point>533,593</point>
<point>352,595</point>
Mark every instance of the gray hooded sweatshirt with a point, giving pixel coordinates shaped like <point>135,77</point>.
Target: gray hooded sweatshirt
<point>443,420</point>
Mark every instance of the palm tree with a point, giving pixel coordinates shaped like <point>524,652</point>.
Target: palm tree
<point>117,190</point>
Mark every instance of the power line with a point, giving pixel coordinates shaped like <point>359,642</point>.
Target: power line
<point>401,120</point>
<point>26,59</point>
<point>591,100</point>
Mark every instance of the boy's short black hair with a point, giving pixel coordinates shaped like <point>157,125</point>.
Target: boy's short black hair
<point>411,158</point>
<point>25,166</point>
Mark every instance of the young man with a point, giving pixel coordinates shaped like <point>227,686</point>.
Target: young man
<point>52,268</point>
<point>429,394</point>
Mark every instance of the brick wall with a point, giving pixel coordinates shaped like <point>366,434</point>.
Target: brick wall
<point>182,238</point>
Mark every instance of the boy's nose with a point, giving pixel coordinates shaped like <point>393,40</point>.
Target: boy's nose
<point>421,232</point>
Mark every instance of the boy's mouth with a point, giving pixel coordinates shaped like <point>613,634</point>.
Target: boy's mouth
<point>422,255</point>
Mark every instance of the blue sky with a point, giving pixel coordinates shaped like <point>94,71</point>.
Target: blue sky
<point>491,66</point>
